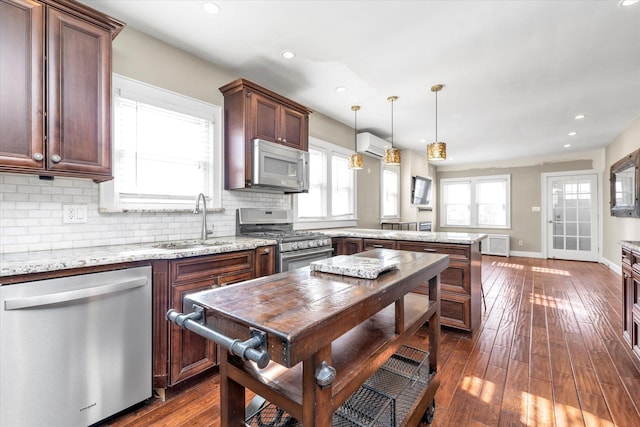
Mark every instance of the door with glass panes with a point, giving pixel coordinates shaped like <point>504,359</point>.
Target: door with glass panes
<point>572,217</point>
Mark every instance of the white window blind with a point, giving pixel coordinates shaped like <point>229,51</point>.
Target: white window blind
<point>165,148</point>
<point>390,192</point>
<point>331,200</point>
<point>314,203</point>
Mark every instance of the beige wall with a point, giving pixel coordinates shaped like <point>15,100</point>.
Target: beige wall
<point>525,194</point>
<point>614,228</point>
<point>142,57</point>
<point>415,163</point>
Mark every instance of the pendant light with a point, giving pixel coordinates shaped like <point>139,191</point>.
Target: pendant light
<point>437,151</point>
<point>355,160</point>
<point>392,155</point>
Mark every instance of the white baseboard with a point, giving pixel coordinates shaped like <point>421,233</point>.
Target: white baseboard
<point>612,266</point>
<point>526,254</point>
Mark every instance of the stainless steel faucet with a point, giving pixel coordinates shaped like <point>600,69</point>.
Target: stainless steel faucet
<point>204,232</point>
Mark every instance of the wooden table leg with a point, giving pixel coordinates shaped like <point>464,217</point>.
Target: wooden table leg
<point>316,401</point>
<point>231,396</point>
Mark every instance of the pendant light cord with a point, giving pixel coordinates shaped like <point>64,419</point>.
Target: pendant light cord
<point>391,99</point>
<point>436,117</point>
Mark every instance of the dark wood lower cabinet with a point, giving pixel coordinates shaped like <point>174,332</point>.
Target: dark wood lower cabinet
<point>180,354</point>
<point>631,297</point>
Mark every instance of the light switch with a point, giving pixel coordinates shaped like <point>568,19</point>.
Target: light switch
<point>535,208</point>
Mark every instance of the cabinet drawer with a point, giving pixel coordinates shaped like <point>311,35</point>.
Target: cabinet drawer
<point>462,252</point>
<point>234,278</point>
<point>455,310</point>
<point>210,266</point>
<point>377,244</point>
<point>635,261</point>
<point>456,278</point>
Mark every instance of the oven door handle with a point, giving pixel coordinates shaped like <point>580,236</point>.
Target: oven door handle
<point>300,254</point>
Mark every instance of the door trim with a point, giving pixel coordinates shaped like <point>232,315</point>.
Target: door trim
<point>543,206</point>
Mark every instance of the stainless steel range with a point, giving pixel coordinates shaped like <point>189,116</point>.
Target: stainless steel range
<point>295,248</point>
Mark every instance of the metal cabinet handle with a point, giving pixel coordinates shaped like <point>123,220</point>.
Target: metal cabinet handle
<point>67,296</point>
<point>429,250</point>
<point>267,250</point>
<point>38,156</point>
<point>284,139</point>
<point>377,246</point>
<point>56,158</point>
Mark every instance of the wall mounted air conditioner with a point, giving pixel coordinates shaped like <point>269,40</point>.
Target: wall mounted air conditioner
<point>368,143</point>
<point>495,244</point>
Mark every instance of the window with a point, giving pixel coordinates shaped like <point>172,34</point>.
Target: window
<point>390,197</point>
<point>477,202</point>
<point>166,150</point>
<point>332,188</point>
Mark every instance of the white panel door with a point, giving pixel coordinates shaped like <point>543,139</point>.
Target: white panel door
<point>572,217</point>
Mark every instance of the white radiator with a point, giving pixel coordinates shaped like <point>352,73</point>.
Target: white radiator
<point>495,244</point>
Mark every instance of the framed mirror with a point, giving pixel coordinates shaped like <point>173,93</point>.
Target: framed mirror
<point>625,186</point>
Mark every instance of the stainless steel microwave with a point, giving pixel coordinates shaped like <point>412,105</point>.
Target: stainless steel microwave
<point>278,167</point>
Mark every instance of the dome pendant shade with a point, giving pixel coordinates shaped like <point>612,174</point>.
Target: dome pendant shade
<point>392,155</point>
<point>355,160</point>
<point>437,151</point>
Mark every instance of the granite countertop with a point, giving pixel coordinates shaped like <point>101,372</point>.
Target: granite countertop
<point>634,245</point>
<point>418,236</point>
<point>42,261</point>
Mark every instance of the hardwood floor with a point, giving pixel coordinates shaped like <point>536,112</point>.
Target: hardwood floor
<point>549,353</point>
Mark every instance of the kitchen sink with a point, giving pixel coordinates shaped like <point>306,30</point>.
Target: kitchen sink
<point>190,244</point>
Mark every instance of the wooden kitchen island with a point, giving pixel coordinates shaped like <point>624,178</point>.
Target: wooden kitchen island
<point>313,319</point>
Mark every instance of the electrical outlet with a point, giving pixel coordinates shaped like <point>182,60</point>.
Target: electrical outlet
<point>520,242</point>
<point>535,208</point>
<point>74,214</point>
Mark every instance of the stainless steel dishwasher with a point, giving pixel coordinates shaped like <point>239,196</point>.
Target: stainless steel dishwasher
<point>75,350</point>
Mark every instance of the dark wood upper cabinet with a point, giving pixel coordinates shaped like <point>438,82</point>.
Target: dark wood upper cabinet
<point>252,111</point>
<point>63,49</point>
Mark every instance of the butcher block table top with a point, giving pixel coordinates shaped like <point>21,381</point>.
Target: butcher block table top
<point>315,321</point>
<point>302,311</point>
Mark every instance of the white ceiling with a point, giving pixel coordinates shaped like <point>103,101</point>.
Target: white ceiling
<point>515,72</point>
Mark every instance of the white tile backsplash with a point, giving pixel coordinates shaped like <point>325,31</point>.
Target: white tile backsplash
<point>31,216</point>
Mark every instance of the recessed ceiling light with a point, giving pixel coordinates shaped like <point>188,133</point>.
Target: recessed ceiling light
<point>211,8</point>
<point>625,3</point>
<point>580,116</point>
<point>573,133</point>
<point>567,145</point>
<point>341,89</point>
<point>287,54</point>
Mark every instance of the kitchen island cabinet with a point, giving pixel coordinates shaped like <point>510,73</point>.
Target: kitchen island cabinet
<point>314,319</point>
<point>56,89</point>
<point>461,281</point>
<point>631,295</point>
<point>252,111</point>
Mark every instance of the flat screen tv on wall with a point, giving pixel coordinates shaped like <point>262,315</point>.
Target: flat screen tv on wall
<point>421,191</point>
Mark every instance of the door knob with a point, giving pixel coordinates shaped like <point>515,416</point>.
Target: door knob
<point>550,221</point>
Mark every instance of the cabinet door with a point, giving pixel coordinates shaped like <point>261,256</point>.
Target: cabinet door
<point>351,246</point>
<point>190,353</point>
<point>265,117</point>
<point>265,261</point>
<point>79,96</point>
<point>21,85</point>
<point>295,129</point>
<point>627,304</point>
